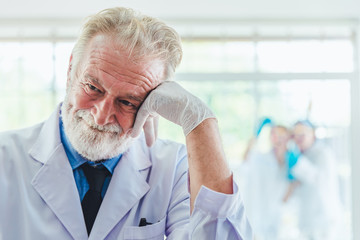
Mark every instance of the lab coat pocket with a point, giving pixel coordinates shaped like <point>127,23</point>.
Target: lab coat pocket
<point>151,232</point>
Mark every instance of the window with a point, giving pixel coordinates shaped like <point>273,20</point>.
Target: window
<point>286,81</point>
<point>306,56</point>
<point>242,77</point>
<point>26,75</point>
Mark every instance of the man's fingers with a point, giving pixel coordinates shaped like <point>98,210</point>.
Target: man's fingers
<point>156,125</point>
<point>149,130</point>
<point>140,120</point>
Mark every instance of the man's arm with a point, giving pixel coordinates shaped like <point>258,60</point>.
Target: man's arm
<point>215,203</point>
<point>207,163</point>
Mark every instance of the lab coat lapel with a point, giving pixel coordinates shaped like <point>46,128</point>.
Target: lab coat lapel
<point>127,186</point>
<point>55,180</point>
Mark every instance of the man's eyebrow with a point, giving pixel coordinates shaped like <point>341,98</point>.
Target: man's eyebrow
<point>132,97</point>
<point>92,78</point>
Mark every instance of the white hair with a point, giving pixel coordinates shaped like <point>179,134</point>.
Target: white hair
<point>142,36</point>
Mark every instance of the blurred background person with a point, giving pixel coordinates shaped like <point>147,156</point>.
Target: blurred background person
<point>316,186</point>
<point>264,173</point>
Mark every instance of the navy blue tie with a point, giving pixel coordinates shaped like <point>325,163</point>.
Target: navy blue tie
<point>92,200</point>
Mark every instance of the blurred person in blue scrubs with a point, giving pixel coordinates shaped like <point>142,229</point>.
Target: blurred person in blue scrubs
<point>265,180</point>
<point>95,170</point>
<point>316,185</point>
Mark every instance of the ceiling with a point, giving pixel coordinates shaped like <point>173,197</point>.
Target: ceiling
<point>38,19</point>
<point>186,9</point>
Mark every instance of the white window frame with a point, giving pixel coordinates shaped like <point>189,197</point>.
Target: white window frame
<point>67,30</point>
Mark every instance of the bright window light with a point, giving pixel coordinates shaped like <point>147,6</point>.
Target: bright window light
<point>306,56</point>
<point>269,78</point>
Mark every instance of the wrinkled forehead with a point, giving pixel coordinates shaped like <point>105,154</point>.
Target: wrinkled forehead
<point>106,48</point>
<point>106,42</point>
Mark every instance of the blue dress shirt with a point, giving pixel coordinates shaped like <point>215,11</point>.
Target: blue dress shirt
<point>76,160</point>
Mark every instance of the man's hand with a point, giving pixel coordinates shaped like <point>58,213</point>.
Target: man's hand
<point>175,104</point>
<point>207,162</point>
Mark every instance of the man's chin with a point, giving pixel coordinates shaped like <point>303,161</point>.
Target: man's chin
<point>94,143</point>
<point>98,152</point>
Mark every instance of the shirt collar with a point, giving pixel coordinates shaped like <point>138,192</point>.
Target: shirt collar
<point>76,160</point>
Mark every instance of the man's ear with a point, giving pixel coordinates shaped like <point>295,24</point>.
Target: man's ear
<point>69,70</point>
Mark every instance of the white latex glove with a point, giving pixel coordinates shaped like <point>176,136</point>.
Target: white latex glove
<point>175,104</point>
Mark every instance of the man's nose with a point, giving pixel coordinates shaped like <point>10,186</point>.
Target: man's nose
<point>104,112</point>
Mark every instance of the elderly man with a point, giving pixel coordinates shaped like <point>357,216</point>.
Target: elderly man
<point>89,172</point>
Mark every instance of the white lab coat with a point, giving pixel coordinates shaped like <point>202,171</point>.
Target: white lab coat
<point>39,198</point>
<point>264,184</point>
<point>318,194</point>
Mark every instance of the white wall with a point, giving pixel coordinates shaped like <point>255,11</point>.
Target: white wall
<point>67,12</point>
<point>169,9</point>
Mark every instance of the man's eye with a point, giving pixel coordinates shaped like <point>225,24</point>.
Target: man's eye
<point>127,103</point>
<point>93,88</point>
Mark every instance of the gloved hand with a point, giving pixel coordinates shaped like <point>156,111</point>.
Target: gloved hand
<point>175,104</point>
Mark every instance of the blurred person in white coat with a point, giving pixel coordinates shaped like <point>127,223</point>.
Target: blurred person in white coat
<point>85,173</point>
<point>317,186</point>
<point>265,181</point>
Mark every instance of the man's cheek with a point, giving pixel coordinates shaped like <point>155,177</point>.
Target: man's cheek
<point>127,121</point>
<point>133,118</point>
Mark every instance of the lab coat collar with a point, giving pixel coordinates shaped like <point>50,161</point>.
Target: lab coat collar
<point>56,185</point>
<point>127,186</point>
<point>55,180</point>
<point>48,140</point>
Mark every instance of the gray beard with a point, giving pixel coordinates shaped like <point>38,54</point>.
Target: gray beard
<point>92,141</point>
